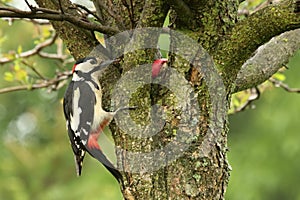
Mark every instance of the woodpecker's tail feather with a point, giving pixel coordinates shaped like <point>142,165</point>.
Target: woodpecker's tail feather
<point>78,162</point>
<point>97,153</point>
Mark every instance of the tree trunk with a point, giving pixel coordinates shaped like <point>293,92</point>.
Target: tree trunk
<point>186,157</point>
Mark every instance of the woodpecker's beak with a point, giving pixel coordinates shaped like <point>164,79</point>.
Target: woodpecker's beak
<point>107,62</point>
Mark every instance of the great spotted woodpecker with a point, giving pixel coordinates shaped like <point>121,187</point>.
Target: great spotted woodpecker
<point>84,114</point>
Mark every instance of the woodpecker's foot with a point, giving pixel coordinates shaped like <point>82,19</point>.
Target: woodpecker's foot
<point>126,108</point>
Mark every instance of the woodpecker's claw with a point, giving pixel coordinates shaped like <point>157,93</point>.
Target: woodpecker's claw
<point>126,108</point>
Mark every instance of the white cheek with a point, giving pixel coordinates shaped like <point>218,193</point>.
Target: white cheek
<point>85,67</point>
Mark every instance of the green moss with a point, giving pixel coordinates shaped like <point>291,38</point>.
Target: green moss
<point>197,177</point>
<point>249,34</point>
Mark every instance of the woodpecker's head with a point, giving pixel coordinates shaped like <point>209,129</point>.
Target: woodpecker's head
<point>89,67</point>
<point>157,66</point>
<point>84,65</point>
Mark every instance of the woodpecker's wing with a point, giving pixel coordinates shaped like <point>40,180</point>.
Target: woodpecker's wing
<point>87,102</point>
<point>79,112</point>
<point>76,144</point>
<point>79,108</point>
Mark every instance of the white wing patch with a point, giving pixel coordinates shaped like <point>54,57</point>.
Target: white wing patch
<point>76,143</point>
<point>75,118</point>
<point>85,132</point>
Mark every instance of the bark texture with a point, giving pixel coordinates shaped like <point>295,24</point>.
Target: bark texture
<point>268,59</point>
<point>80,42</point>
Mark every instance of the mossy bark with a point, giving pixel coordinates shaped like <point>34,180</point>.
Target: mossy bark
<point>80,42</point>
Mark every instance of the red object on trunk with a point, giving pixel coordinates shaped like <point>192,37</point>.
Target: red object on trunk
<point>157,65</point>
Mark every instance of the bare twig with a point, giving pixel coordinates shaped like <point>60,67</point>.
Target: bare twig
<point>39,22</point>
<point>53,56</point>
<point>254,95</point>
<point>29,5</point>
<point>284,86</point>
<point>34,70</point>
<point>88,11</point>
<point>297,7</point>
<point>130,12</point>
<point>36,50</point>
<point>60,7</point>
<point>35,22</point>
<point>43,84</point>
<point>43,13</point>
<point>106,10</point>
<point>109,11</point>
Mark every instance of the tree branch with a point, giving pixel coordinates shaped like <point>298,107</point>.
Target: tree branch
<point>88,11</point>
<point>42,13</point>
<point>34,70</point>
<point>101,6</point>
<point>251,33</point>
<point>277,83</point>
<point>36,50</point>
<point>268,59</point>
<point>55,83</point>
<point>130,12</point>
<point>254,95</point>
<point>79,41</point>
<point>153,14</point>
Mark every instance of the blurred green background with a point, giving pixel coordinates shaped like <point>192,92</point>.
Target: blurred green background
<point>264,144</point>
<point>37,162</point>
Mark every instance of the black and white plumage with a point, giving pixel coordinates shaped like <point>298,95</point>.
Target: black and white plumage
<point>84,114</point>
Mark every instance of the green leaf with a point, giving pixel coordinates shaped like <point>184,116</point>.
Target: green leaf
<point>17,66</point>
<point>21,75</point>
<point>3,39</point>
<point>19,49</point>
<point>279,76</point>
<point>5,1</point>
<point>46,32</point>
<point>8,76</point>
<point>36,42</point>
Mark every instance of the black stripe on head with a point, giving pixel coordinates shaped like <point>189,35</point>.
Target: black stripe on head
<point>102,65</point>
<point>92,59</point>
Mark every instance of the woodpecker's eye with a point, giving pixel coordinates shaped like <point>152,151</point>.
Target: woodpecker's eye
<point>93,61</point>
